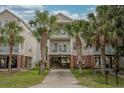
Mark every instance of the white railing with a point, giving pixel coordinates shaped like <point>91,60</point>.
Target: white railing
<point>60,34</point>
<point>7,49</point>
<point>107,51</point>
<point>53,51</point>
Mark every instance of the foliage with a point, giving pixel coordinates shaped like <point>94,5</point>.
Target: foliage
<point>105,29</point>
<point>44,25</point>
<point>42,21</point>
<point>92,80</point>
<point>10,34</point>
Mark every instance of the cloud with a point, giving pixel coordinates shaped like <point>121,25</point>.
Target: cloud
<point>91,9</point>
<point>39,7</point>
<point>22,7</point>
<point>26,12</point>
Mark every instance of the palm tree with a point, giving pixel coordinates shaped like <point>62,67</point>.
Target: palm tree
<point>45,25</point>
<point>104,30</point>
<point>99,31</point>
<point>12,36</point>
<point>75,30</point>
<point>117,37</point>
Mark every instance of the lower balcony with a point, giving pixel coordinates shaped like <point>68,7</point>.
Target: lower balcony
<point>6,50</point>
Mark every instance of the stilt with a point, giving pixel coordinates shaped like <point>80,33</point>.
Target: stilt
<point>23,62</point>
<point>71,62</point>
<point>18,62</point>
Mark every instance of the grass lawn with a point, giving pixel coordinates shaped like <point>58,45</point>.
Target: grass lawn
<point>21,79</point>
<point>89,79</point>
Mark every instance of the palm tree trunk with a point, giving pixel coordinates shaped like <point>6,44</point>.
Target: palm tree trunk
<point>116,62</point>
<point>79,52</point>
<point>103,59</point>
<point>102,53</point>
<point>43,45</point>
<point>10,58</point>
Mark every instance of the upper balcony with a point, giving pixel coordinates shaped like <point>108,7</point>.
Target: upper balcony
<point>60,35</point>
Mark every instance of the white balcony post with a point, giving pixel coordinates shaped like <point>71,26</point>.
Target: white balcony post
<point>20,48</point>
<point>48,45</point>
<point>71,45</point>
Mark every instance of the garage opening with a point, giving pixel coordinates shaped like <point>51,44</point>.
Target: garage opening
<point>60,62</point>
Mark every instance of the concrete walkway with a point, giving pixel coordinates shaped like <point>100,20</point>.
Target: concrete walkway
<point>59,78</point>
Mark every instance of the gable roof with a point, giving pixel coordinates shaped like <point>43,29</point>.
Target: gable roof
<point>16,16</point>
<point>65,17</point>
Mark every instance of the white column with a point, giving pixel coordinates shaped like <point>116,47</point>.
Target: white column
<point>48,60</point>
<point>48,45</point>
<point>20,47</point>
<point>71,45</point>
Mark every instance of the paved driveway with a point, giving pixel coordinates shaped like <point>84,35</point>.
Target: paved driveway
<point>59,78</point>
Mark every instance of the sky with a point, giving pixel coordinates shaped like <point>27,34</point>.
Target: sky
<point>27,12</point>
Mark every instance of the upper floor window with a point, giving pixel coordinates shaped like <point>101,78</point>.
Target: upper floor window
<point>62,32</point>
<point>3,23</point>
<point>22,45</point>
<point>60,47</point>
<point>64,48</point>
<point>55,47</point>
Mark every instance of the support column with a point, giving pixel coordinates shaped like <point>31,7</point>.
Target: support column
<point>18,62</point>
<point>48,62</point>
<point>23,62</point>
<point>92,61</point>
<point>71,62</point>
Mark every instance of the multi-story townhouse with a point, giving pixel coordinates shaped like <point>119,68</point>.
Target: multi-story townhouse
<point>24,54</point>
<point>62,48</point>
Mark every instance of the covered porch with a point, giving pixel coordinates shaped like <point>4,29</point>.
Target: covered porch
<point>60,61</point>
<point>96,61</point>
<point>18,62</point>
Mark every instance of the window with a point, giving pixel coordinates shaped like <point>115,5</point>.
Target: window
<point>62,32</point>
<point>55,47</point>
<point>1,23</point>
<point>64,48</point>
<point>60,47</point>
<point>21,45</point>
<point>5,22</point>
<point>95,50</point>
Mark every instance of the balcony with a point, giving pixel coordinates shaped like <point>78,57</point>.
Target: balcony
<point>55,51</point>
<point>5,50</point>
<point>60,35</point>
<point>107,51</point>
